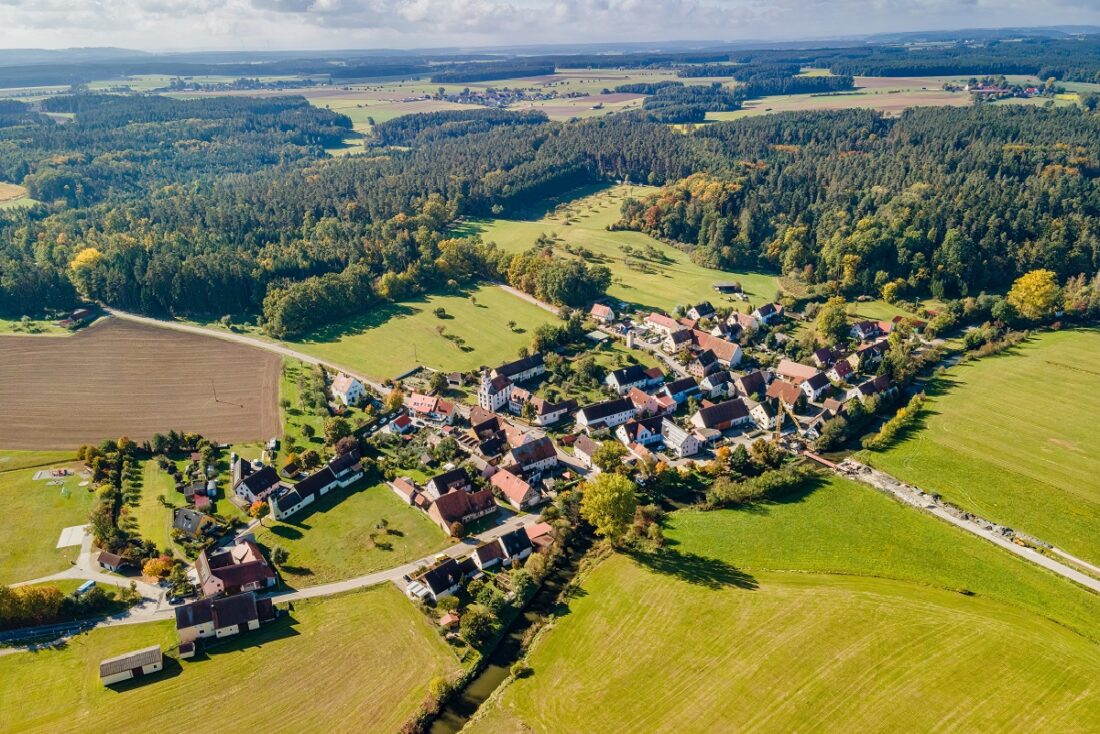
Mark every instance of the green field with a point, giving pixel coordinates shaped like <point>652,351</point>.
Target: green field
<point>35,512</point>
<point>330,539</point>
<point>298,414</point>
<point>833,610</point>
<point>662,285</point>
<point>394,338</point>
<point>33,327</point>
<point>359,662</point>
<point>154,519</point>
<point>1013,438</point>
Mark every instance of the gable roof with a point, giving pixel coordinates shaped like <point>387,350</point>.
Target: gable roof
<point>130,660</point>
<point>627,375</point>
<point>343,383</point>
<point>658,319</point>
<point>682,385</point>
<point>751,383</point>
<point>703,309</point>
<point>602,311</point>
<point>785,391</point>
<point>818,381</point>
<point>585,445</point>
<point>598,411</point>
<point>727,412</point>
<point>454,506</point>
<point>445,576</point>
<point>723,350</point>
<point>795,371</point>
<point>450,478</point>
<point>516,542</point>
<point>534,451</point>
<point>511,486</point>
<point>511,369</point>
<point>489,552</point>
<point>260,480</point>
<point>188,521</point>
<point>224,611</point>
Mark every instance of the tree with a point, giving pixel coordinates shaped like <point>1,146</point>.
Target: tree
<point>438,382</point>
<point>832,321</point>
<point>310,459</point>
<point>336,428</point>
<point>158,567</point>
<point>394,400</point>
<point>279,555</point>
<point>478,625</point>
<point>308,430</point>
<point>608,503</point>
<point>609,456</point>
<point>1035,295</point>
<point>258,509</point>
<point>346,445</point>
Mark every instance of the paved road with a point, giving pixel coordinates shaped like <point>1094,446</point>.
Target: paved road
<point>984,529</point>
<point>250,341</point>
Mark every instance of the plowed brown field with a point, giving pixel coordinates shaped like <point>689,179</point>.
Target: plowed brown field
<point>124,379</point>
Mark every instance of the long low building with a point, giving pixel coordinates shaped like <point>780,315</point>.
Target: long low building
<point>131,665</point>
<point>340,472</point>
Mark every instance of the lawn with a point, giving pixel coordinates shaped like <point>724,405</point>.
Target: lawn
<point>395,338</point>
<point>154,519</point>
<point>31,327</point>
<point>660,285</point>
<point>358,662</point>
<point>35,512</point>
<point>1013,438</point>
<point>298,414</point>
<point>834,610</point>
<point>330,540</point>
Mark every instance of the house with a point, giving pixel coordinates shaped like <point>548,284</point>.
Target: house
<point>449,481</point>
<point>232,570</point>
<point>840,371</point>
<point>722,416</point>
<point>191,523</point>
<point>519,493</point>
<point>535,456</point>
<point>406,489</point>
<point>866,330</point>
<point>788,392</point>
<point>794,372</point>
<point>645,403</point>
<point>112,562</point>
<point>660,322</point>
<point>742,322</point>
<point>602,313</point>
<point>717,384</point>
<point>341,472</point>
<point>874,386</point>
<point>449,621</point>
<point>437,583</point>
<point>401,425</point>
<point>547,413</point>
<point>131,665</point>
<point>727,287</point>
<point>644,432</point>
<point>256,483</point>
<point>768,314</point>
<point>816,386</point>
<point>869,356</point>
<point>348,390</point>
<point>824,357</point>
<point>703,364</point>
<point>682,389</point>
<point>765,414</point>
<point>483,421</point>
<point>605,415</point>
<point>516,544</point>
<point>678,441</point>
<point>678,340</point>
<point>541,534</point>
<point>461,507</point>
<point>724,330</point>
<point>751,385</point>
<point>223,616</point>
<point>431,408</point>
<point>701,311</point>
<point>583,448</point>
<point>494,392</point>
<point>522,369</point>
<point>488,554</point>
<point>728,353</point>
<point>455,379</point>
<point>621,380</point>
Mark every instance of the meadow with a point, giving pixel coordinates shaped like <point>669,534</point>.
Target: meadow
<point>834,609</point>
<point>646,282</point>
<point>357,662</point>
<point>1013,438</point>
<point>394,338</point>
<point>154,519</point>
<point>35,512</point>
<point>331,539</point>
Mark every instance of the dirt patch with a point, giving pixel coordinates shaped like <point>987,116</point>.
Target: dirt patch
<point>11,192</point>
<point>124,379</point>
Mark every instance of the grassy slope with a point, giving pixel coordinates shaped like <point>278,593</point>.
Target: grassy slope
<point>395,337</point>
<point>34,514</point>
<point>360,662</point>
<point>1013,438</point>
<point>722,639</point>
<point>331,542</point>
<point>679,282</point>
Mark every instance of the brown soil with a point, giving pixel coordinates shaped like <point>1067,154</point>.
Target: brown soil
<point>119,378</point>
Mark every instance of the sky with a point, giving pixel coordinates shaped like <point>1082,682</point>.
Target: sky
<point>175,25</point>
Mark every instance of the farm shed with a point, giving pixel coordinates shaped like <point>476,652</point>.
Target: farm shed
<point>131,665</point>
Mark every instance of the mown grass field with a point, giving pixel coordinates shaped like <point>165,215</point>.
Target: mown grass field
<point>33,327</point>
<point>661,285</point>
<point>394,338</point>
<point>35,512</point>
<point>330,539</point>
<point>1013,438</point>
<point>359,662</point>
<point>834,610</point>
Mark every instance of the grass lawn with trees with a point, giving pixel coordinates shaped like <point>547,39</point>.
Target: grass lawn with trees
<point>647,281</point>
<point>394,338</point>
<point>1013,438</point>
<point>360,662</point>
<point>35,512</point>
<point>154,519</point>
<point>862,614</point>
<point>331,540</point>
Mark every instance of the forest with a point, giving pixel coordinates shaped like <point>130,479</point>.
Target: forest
<point>945,201</point>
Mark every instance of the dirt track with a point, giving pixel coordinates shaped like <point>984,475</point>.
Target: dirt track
<point>124,379</point>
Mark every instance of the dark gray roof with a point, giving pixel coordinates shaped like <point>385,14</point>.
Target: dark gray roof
<point>684,384</point>
<point>602,410</point>
<point>627,375</point>
<point>520,365</point>
<point>443,577</point>
<point>516,542</point>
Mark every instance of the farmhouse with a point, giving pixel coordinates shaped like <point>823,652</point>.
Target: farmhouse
<point>431,408</point>
<point>722,416</point>
<point>645,403</point>
<point>583,448</point>
<point>605,415</point>
<point>494,392</point>
<point>342,471</point>
<point>519,493</point>
<point>233,570</point>
<point>602,313</point>
<point>727,353</point>
<point>794,372</point>
<point>701,311</point>
<point>348,390</point>
<point>742,322</point>
<point>622,380</point>
<point>678,441</point>
<point>131,665</point>
<point>461,507</point>
<point>662,323</point>
<point>253,482</point>
<point>522,369</point>
<point>453,480</point>
<point>191,523</point>
<point>644,432</point>
<point>222,617</point>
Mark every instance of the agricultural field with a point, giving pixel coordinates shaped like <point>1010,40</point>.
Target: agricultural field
<point>13,195</point>
<point>331,539</point>
<point>119,378</point>
<point>835,608</point>
<point>359,662</point>
<point>645,282</point>
<point>394,338</point>
<point>35,513</point>
<point>1012,438</point>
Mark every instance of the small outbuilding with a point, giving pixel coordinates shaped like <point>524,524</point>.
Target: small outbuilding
<point>131,665</point>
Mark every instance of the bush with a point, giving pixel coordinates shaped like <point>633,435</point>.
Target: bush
<point>520,669</point>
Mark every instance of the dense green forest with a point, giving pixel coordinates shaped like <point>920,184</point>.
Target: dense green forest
<point>229,206</point>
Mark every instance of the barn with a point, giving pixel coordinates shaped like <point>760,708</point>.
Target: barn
<point>131,665</point>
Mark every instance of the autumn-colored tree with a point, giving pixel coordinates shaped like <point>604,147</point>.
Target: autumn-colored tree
<point>158,568</point>
<point>394,400</point>
<point>608,504</point>
<point>258,509</point>
<point>335,429</point>
<point>832,321</point>
<point>1035,295</point>
<point>609,456</point>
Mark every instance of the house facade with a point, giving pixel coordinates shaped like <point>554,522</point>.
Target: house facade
<point>348,390</point>
<point>605,415</point>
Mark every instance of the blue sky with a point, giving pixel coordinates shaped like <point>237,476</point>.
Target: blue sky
<point>286,24</point>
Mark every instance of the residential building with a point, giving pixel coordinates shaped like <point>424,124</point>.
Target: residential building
<point>348,390</point>
<point>788,392</point>
<point>341,472</point>
<point>146,661</point>
<point>605,415</point>
<point>448,481</point>
<point>256,481</point>
<point>622,380</point>
<point>722,416</point>
<point>874,386</point>
<point>488,554</point>
<point>461,507</point>
<point>191,523</point>
<point>522,369</point>
<point>401,425</point>
<point>583,448</point>
<point>232,570</point>
<point>602,313</point>
<point>431,408</point>
<point>645,403</point>
<point>222,616</point>
<point>766,413</point>
<point>519,493</point>
<point>516,544</point>
<point>679,442</point>
<point>840,371</point>
<point>816,386</point>
<point>701,311</point>
<point>494,392</point>
<point>866,330</point>
<point>438,582</point>
<point>660,322</point>
<point>547,413</point>
<point>717,385</point>
<point>535,456</point>
<point>406,489</point>
<point>645,432</point>
<point>794,372</point>
<point>751,385</point>
<point>703,364</point>
<point>768,314</point>
<point>682,389</point>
